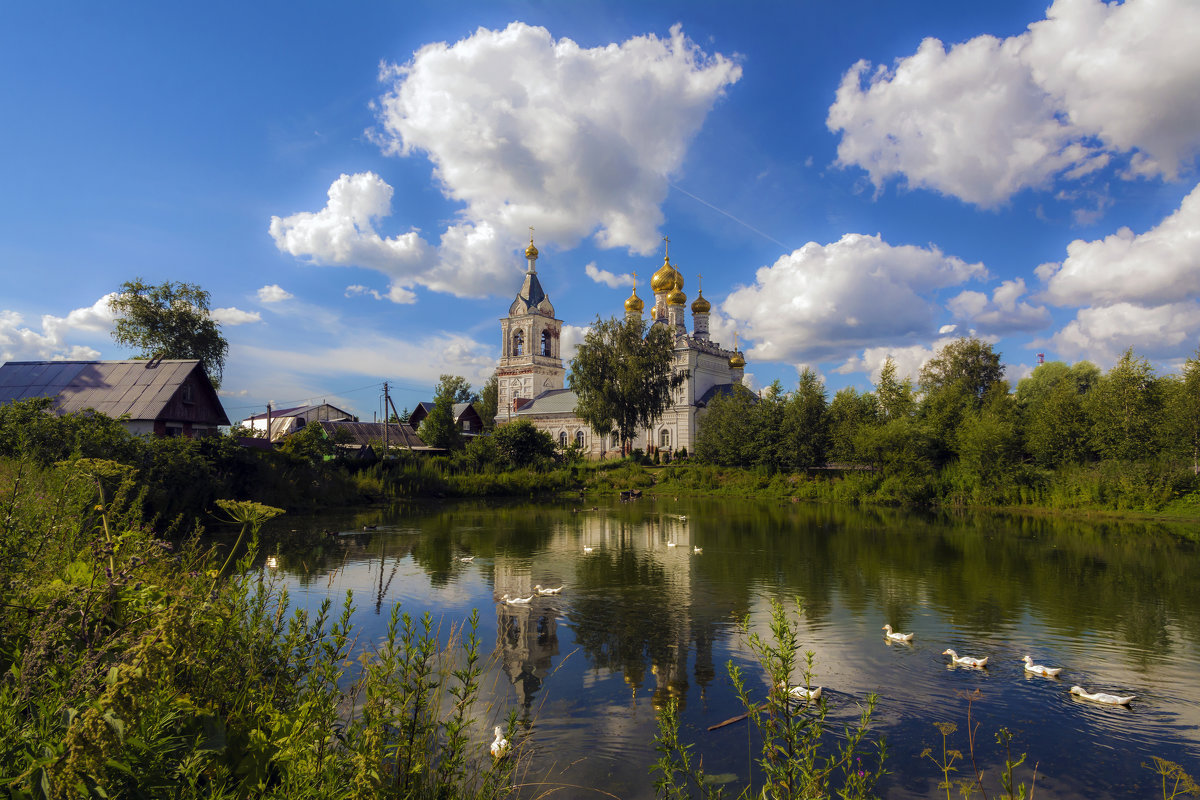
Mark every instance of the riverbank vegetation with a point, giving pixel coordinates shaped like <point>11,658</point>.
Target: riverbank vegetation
<point>133,666</point>
<point>1069,437</point>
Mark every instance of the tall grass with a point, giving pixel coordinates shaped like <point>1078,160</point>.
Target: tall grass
<point>134,667</point>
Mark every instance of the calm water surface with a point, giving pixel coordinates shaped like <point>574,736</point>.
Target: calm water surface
<point>1116,605</point>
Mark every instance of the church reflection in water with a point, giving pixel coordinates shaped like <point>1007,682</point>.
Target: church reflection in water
<point>628,603</point>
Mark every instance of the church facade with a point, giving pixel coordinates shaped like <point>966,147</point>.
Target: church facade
<point>530,377</point>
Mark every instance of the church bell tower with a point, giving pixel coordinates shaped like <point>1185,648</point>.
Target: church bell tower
<point>530,362</point>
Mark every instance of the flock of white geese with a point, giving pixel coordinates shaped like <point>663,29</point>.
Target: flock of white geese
<point>1030,667</point>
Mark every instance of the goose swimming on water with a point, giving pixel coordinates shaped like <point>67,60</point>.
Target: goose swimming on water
<point>897,637</point>
<point>1038,669</point>
<point>965,661</point>
<point>538,588</point>
<point>802,692</point>
<point>1102,697</point>
<point>516,600</point>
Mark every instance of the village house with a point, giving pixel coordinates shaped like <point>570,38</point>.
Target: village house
<point>285,421</point>
<point>156,397</point>
<point>466,418</point>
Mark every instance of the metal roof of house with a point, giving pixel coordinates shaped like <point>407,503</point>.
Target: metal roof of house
<point>138,388</point>
<point>551,401</point>
<point>298,411</point>
<point>367,432</point>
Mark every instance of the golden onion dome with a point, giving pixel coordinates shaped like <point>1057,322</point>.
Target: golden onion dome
<point>531,251</point>
<point>666,278</point>
<point>737,361</point>
<point>677,297</point>
<point>701,306</point>
<point>634,303</point>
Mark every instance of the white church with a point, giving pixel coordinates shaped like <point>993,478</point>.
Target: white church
<point>530,376</point>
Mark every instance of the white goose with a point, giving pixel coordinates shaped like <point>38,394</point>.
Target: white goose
<point>500,746</point>
<point>1101,697</point>
<point>802,692</point>
<point>672,544</point>
<point>697,550</point>
<point>588,548</point>
<point>467,559</point>
<point>896,637</point>
<point>514,601</point>
<point>1038,669</point>
<point>538,588</point>
<point>965,661</point>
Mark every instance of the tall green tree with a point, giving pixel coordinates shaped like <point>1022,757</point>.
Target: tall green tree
<point>896,397</point>
<point>1125,408</point>
<point>438,429</point>
<point>849,412</point>
<point>957,380</point>
<point>171,320</point>
<point>805,429</point>
<point>727,434</point>
<point>458,389</point>
<point>624,376</point>
<point>488,401</point>
<point>520,444</point>
<point>1185,410</point>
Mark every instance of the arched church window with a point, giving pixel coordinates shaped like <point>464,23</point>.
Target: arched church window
<point>518,343</point>
<point>579,438</point>
<point>545,343</point>
<point>664,438</point>
<point>562,438</point>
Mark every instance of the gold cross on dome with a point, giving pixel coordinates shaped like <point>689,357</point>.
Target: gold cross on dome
<point>667,249</point>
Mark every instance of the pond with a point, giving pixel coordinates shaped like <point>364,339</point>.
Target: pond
<point>644,617</point>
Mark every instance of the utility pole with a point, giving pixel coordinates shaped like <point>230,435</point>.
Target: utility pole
<point>385,419</point>
<point>268,422</point>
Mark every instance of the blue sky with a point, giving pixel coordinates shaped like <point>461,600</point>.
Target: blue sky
<point>354,183</point>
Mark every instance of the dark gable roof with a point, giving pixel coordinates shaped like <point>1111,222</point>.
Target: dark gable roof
<point>724,390</point>
<point>300,411</point>
<point>360,433</point>
<point>137,388</point>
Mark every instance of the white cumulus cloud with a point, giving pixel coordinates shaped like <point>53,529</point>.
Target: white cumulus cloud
<point>235,316</point>
<point>273,293</point>
<point>343,233</point>
<point>1165,332</point>
<point>525,129</point>
<point>1154,267</point>
<point>20,342</point>
<point>825,302</point>
<point>1004,313</point>
<point>990,117</point>
<point>607,278</point>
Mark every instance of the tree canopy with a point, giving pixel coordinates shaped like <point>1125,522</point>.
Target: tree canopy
<point>438,429</point>
<point>623,375</point>
<point>171,320</point>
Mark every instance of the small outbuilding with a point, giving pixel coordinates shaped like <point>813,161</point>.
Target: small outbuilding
<point>466,418</point>
<point>285,421</point>
<point>156,397</point>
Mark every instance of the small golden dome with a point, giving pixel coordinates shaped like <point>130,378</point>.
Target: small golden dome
<point>701,306</point>
<point>531,251</point>
<point>676,296</point>
<point>737,362</point>
<point>634,303</point>
<point>665,279</point>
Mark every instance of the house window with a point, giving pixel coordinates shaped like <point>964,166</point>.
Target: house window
<point>185,393</point>
<point>518,345</point>
<point>545,343</point>
<point>579,438</point>
<point>616,441</point>
<point>562,439</point>
<point>664,438</point>
<point>466,425</point>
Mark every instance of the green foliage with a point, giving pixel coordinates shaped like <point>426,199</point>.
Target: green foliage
<point>1125,409</point>
<point>131,669</point>
<point>849,413</point>
<point>171,320</point>
<point>438,429</point>
<point>805,430</point>
<point>728,433</point>
<point>520,444</point>
<point>624,376</point>
<point>309,443</point>
<point>488,402</point>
